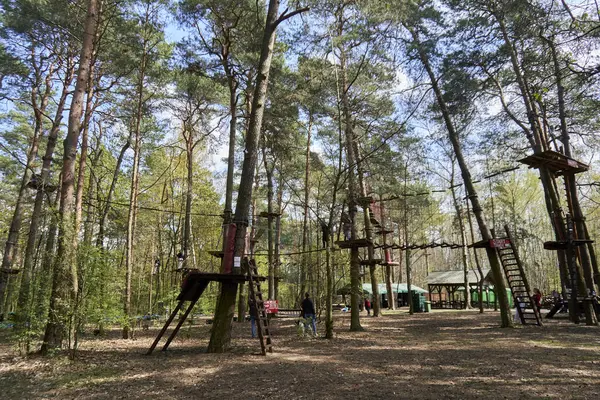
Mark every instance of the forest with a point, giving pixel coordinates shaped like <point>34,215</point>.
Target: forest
<point>336,144</point>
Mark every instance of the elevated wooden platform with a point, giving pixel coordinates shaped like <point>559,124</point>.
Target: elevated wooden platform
<point>10,271</point>
<point>375,261</point>
<point>266,214</point>
<point>365,201</point>
<point>563,245</point>
<point>351,244</point>
<point>555,162</point>
<point>384,232</point>
<point>216,253</point>
<point>390,264</point>
<point>192,287</point>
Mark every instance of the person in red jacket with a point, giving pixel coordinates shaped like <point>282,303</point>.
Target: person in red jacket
<point>537,298</point>
<point>368,306</point>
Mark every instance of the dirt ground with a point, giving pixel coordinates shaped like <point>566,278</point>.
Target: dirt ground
<point>441,355</point>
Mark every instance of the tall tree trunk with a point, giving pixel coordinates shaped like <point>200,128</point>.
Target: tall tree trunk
<point>187,228</point>
<point>486,234</point>
<point>277,261</point>
<point>36,215</point>
<point>481,277</point>
<point>463,238</point>
<point>304,267</point>
<point>221,332</point>
<point>11,244</point>
<point>589,264</point>
<point>65,284</point>
<point>84,154</point>
<point>355,281</point>
<point>46,270</point>
<point>133,195</point>
<point>271,270</point>
<point>93,186</point>
<point>537,142</point>
<point>106,208</point>
<point>368,233</point>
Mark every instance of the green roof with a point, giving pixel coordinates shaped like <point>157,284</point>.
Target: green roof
<point>396,288</point>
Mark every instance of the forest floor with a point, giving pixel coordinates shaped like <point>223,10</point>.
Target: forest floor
<point>440,355</point>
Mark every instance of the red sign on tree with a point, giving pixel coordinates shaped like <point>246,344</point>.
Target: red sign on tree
<point>271,306</point>
<point>499,243</point>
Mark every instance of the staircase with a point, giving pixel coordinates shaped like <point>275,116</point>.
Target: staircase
<point>517,281</point>
<point>262,323</point>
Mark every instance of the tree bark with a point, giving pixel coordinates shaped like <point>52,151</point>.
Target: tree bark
<point>271,270</point>
<point>133,195</point>
<point>106,208</point>
<point>304,267</point>
<point>36,215</point>
<point>65,284</point>
<point>11,244</point>
<point>505,315</point>
<point>463,238</point>
<point>277,261</point>
<point>221,332</point>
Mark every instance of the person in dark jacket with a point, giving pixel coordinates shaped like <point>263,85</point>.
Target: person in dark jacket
<point>308,311</point>
<point>325,233</point>
<point>253,313</point>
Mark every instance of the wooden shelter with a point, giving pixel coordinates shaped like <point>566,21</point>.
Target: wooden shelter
<point>446,288</point>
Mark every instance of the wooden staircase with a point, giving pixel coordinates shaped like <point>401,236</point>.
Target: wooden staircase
<point>262,322</point>
<point>517,281</point>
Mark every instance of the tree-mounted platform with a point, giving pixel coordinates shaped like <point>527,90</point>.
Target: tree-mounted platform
<point>557,163</point>
<point>192,288</point>
<point>10,271</point>
<point>384,232</point>
<point>365,202</point>
<point>390,263</point>
<point>564,245</point>
<point>375,261</point>
<point>216,253</point>
<point>266,214</point>
<point>352,244</point>
<point>492,243</point>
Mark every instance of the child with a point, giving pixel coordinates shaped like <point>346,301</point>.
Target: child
<point>537,298</point>
<point>368,307</point>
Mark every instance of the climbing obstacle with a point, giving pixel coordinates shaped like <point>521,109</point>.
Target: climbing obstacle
<point>192,287</point>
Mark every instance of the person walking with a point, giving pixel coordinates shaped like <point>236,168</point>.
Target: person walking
<point>308,311</point>
<point>368,306</point>
<point>537,298</point>
<point>253,315</point>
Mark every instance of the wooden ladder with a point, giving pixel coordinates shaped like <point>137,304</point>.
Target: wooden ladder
<point>517,282</point>
<point>262,322</point>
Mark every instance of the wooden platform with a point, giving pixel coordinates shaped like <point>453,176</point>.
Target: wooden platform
<point>351,244</point>
<point>375,261</point>
<point>216,253</point>
<point>10,271</point>
<point>563,245</point>
<point>266,214</point>
<point>390,264</point>
<point>192,287</point>
<point>555,162</point>
<point>365,201</point>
